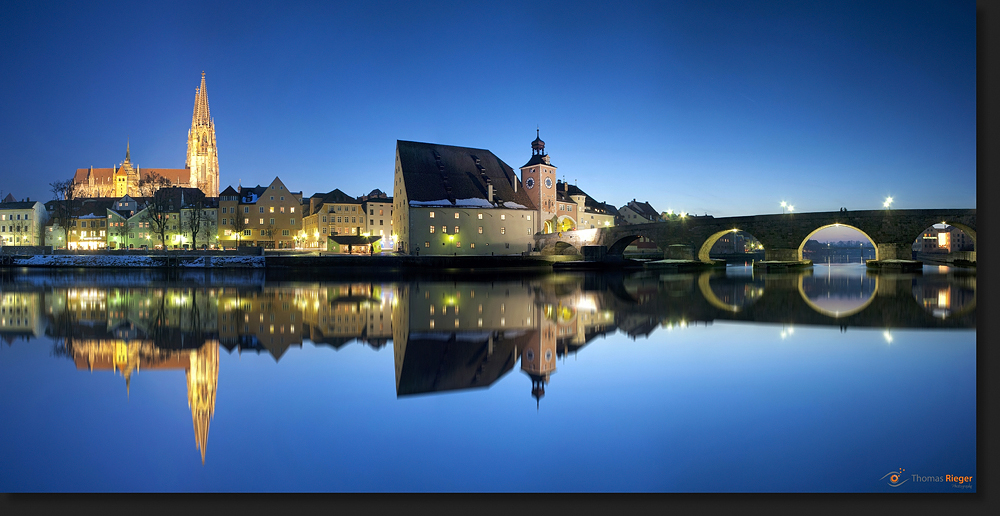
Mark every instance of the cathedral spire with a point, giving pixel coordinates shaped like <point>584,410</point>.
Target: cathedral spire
<point>201,114</point>
<point>127,159</point>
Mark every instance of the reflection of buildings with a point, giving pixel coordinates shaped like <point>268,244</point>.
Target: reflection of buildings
<point>450,336</point>
<point>201,367</point>
<point>943,299</point>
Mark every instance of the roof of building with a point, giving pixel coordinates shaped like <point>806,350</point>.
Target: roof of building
<point>9,198</point>
<point>106,175</point>
<point>445,175</point>
<point>644,209</point>
<point>229,191</point>
<point>590,204</point>
<point>11,205</point>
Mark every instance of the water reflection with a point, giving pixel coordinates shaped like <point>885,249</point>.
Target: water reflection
<point>446,335</point>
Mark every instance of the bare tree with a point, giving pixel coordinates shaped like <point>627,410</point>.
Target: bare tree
<point>194,208</point>
<point>65,193</point>
<point>151,183</point>
<point>239,225</point>
<point>121,232</point>
<point>157,214</point>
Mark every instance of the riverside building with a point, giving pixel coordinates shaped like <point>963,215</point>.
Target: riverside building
<point>450,200</point>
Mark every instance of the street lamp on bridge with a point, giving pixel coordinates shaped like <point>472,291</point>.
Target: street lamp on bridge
<point>887,203</point>
<point>783,205</point>
<point>791,208</point>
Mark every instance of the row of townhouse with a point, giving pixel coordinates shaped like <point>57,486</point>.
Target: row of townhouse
<point>269,216</point>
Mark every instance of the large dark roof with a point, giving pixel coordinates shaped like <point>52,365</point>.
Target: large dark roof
<point>444,175</point>
<point>11,205</point>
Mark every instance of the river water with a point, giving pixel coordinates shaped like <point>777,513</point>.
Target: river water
<point>828,380</point>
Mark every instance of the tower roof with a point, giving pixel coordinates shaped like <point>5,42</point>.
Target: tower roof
<point>201,116</point>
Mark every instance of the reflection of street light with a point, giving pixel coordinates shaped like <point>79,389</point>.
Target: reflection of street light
<point>887,336</point>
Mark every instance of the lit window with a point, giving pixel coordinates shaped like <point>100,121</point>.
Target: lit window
<point>503,231</point>
<point>456,214</point>
<point>272,209</point>
<point>432,229</point>
<point>472,245</point>
<point>427,244</point>
<point>456,230</point>
<point>480,230</point>
<point>480,216</point>
<point>293,209</point>
<point>432,215</point>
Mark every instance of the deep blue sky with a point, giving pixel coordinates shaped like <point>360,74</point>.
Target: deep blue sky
<point>724,108</point>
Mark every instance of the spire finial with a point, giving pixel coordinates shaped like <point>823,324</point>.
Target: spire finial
<point>127,143</point>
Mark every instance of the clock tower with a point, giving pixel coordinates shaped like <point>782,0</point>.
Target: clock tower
<point>539,179</point>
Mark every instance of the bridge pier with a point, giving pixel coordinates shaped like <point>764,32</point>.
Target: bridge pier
<point>894,251</point>
<point>778,254</point>
<point>679,252</point>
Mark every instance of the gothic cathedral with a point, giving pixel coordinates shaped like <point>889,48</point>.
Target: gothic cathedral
<point>202,159</point>
<point>201,168</point>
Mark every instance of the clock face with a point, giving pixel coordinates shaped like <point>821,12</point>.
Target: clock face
<point>530,182</point>
<point>548,182</point>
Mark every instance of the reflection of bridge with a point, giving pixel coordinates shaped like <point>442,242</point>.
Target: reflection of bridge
<point>783,236</point>
<point>780,299</point>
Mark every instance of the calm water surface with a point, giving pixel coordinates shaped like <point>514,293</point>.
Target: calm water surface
<point>829,380</point>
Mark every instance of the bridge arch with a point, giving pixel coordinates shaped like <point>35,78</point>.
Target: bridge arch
<point>705,286</point>
<point>618,248</point>
<point>802,244</point>
<point>564,248</point>
<point>705,250</point>
<point>565,224</point>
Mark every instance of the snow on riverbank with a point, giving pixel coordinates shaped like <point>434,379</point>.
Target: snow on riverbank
<point>74,260</point>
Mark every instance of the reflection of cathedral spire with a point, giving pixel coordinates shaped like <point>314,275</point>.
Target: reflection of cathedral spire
<point>203,380</point>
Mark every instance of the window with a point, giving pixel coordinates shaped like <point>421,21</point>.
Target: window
<point>456,214</point>
<point>480,230</point>
<point>284,232</point>
<point>262,232</point>
<point>282,197</point>
<point>457,244</point>
<point>373,211</point>
<point>432,215</point>
<point>261,209</point>
<point>529,231</point>
<point>246,209</point>
<point>245,221</point>
<point>272,209</point>
<point>262,221</point>
<point>324,231</point>
<point>272,197</point>
<point>472,245</point>
<point>427,244</point>
<point>480,216</point>
<point>529,217</point>
<point>456,230</point>
<point>291,222</point>
<point>354,219</point>
<point>272,222</point>
<point>247,232</point>
<point>503,217</point>
<point>379,212</point>
<point>293,209</point>
<point>503,231</point>
<point>432,229</point>
<point>444,229</point>
<point>380,222</point>
<point>324,218</point>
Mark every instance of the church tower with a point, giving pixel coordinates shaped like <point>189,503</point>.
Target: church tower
<point>202,157</point>
<point>539,178</point>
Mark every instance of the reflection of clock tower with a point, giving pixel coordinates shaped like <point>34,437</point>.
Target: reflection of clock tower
<point>538,359</point>
<point>539,179</point>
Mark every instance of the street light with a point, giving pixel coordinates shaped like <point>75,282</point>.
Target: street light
<point>887,203</point>
<point>783,205</point>
<point>791,208</point>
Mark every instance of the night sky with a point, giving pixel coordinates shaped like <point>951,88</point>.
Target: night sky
<point>725,108</point>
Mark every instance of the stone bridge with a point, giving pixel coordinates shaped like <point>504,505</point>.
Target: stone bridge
<point>783,235</point>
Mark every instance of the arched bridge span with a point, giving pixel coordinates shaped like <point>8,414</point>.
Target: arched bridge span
<point>782,235</point>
